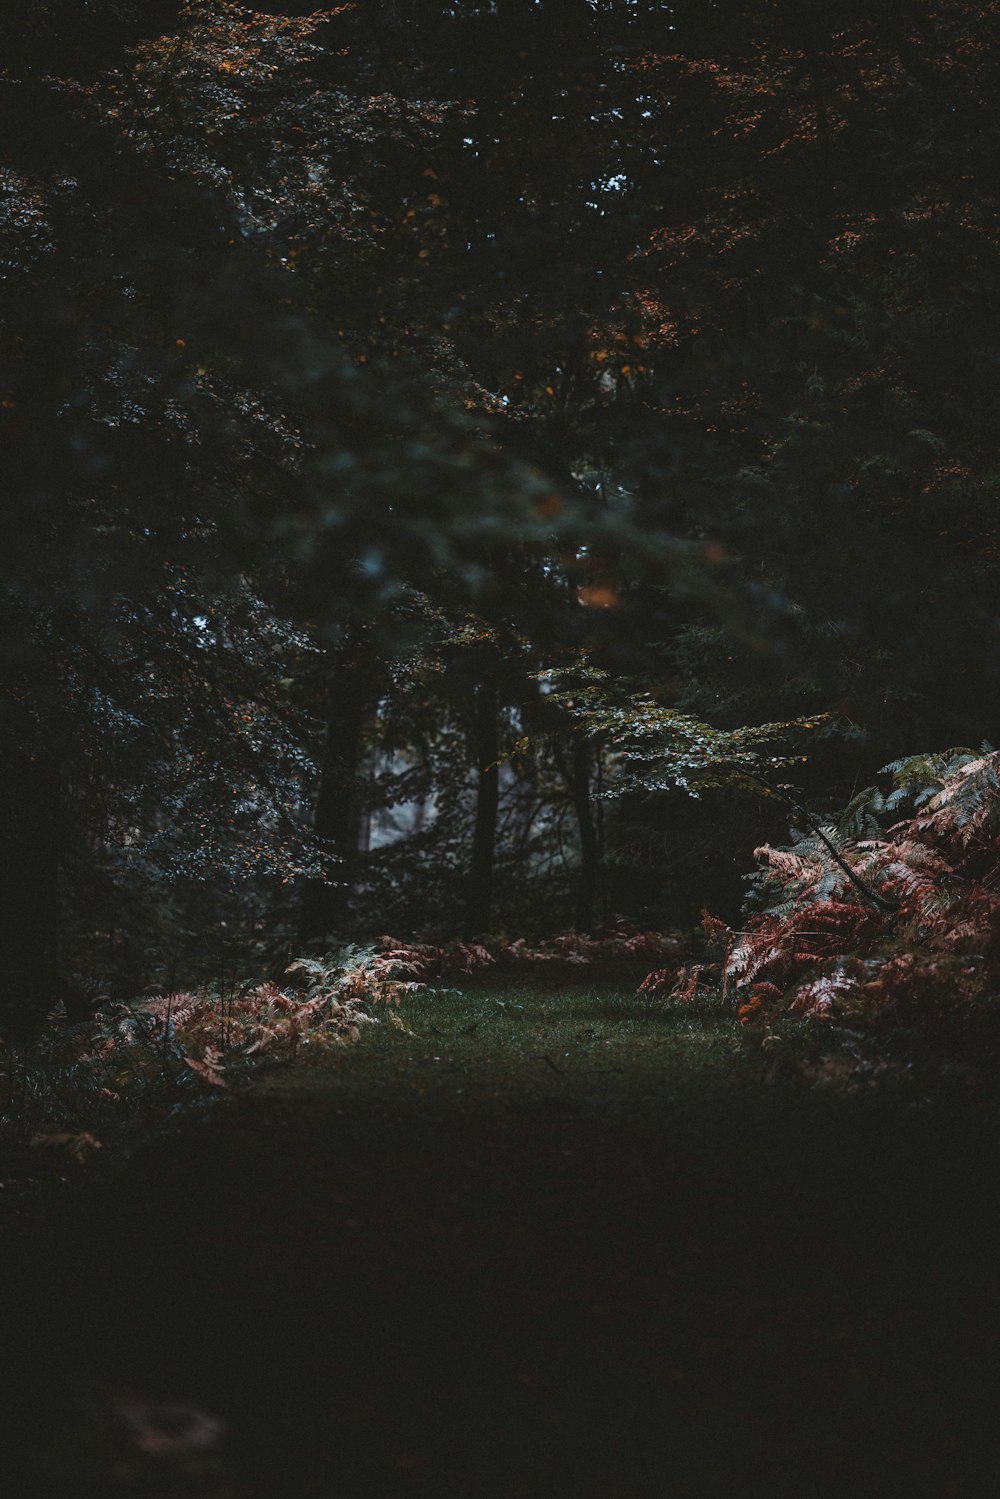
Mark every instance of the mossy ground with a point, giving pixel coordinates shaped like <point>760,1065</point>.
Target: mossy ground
<point>539,1242</point>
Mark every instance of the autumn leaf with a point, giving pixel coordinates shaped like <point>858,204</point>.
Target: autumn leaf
<point>210,1067</point>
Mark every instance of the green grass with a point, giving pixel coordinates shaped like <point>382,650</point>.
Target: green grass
<point>541,1241</point>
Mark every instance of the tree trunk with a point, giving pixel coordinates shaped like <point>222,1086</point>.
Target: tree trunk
<point>29,889</point>
<point>590,862</point>
<point>486,749</point>
<point>576,774</point>
<point>326,901</point>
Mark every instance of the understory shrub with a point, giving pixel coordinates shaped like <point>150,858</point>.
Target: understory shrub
<point>128,1054</point>
<point>876,916</point>
<point>73,1078</point>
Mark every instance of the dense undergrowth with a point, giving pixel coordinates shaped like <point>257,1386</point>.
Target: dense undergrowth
<point>874,920</point>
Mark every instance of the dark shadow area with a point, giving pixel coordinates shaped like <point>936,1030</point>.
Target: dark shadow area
<point>384,1291</point>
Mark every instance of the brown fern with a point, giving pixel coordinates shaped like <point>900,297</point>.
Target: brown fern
<point>934,949</point>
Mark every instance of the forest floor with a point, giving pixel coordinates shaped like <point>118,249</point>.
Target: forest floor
<point>527,1243</point>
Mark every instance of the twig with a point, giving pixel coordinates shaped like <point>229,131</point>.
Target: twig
<point>855,879</point>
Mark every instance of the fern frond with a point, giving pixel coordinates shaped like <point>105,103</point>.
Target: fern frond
<point>968,804</point>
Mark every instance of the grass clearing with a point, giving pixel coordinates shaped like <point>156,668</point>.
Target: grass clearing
<point>523,1242</point>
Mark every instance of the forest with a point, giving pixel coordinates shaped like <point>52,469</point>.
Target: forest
<point>499,708</point>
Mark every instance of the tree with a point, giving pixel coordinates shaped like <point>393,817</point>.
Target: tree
<point>817,323</point>
<point>187,454</point>
<point>669,349</point>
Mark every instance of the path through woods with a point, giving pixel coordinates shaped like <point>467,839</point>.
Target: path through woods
<point>535,1245</point>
